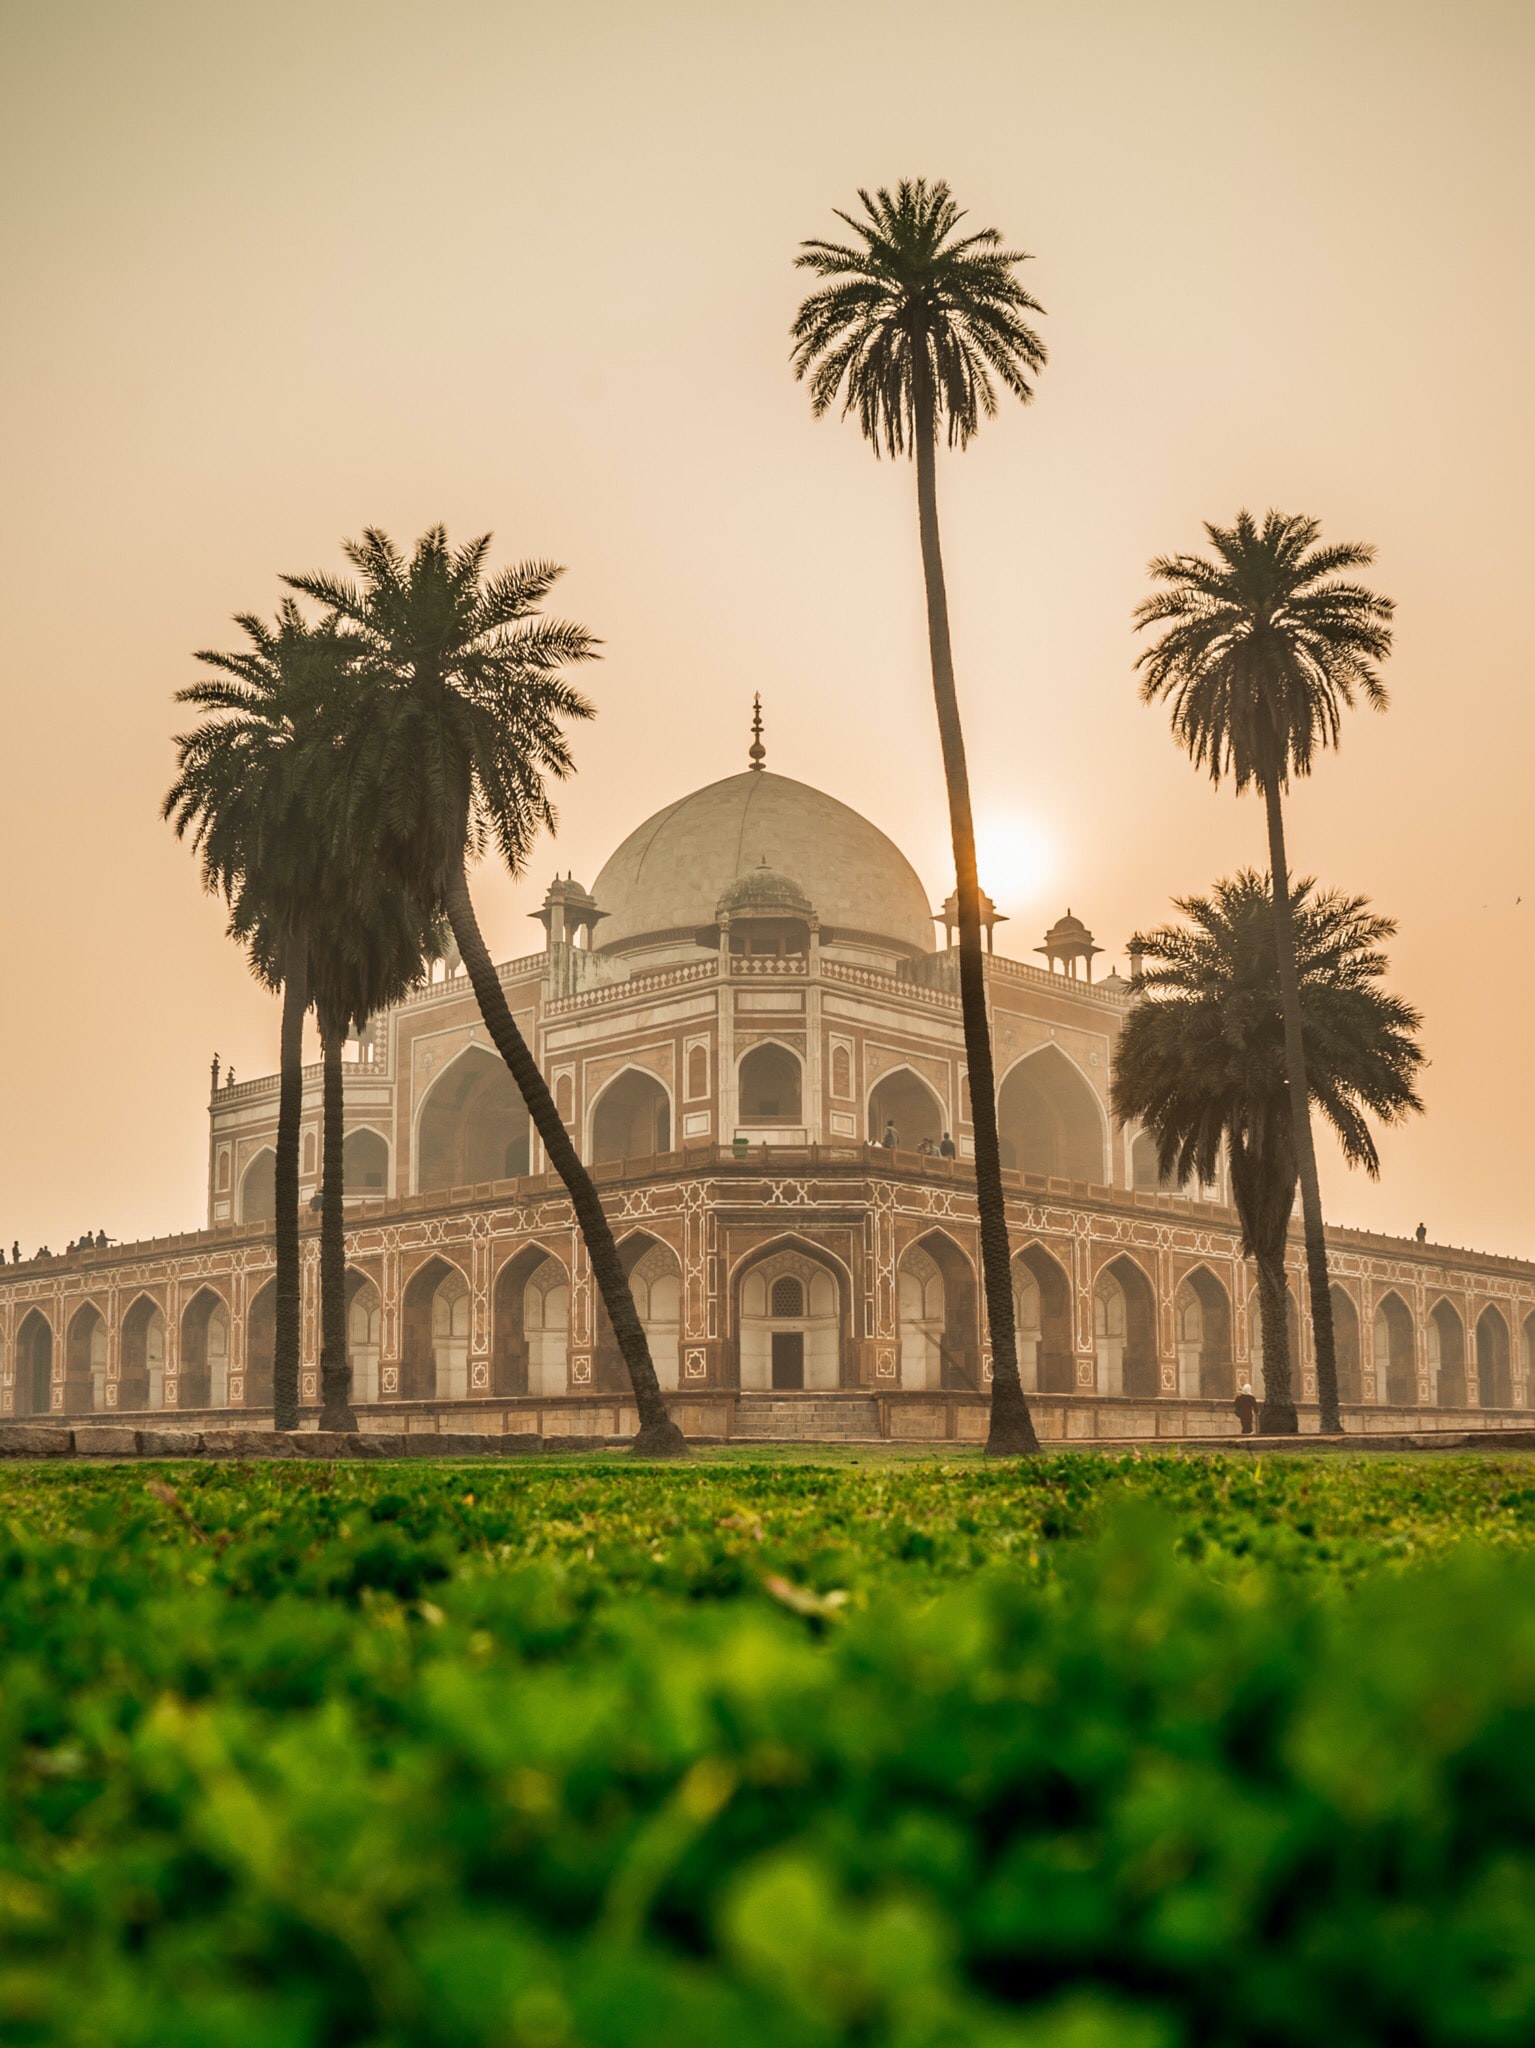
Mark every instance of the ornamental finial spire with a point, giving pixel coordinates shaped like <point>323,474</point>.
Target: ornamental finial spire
<point>757,752</point>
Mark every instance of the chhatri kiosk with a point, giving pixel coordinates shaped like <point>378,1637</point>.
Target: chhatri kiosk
<point>751,992</point>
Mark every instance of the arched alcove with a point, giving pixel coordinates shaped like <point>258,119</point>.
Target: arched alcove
<point>204,1378</point>
<point>698,1072</point>
<point>632,1119</point>
<point>1529,1361</point>
<point>1345,1344</point>
<point>258,1188</point>
<point>434,1334</point>
<point>1042,1315</point>
<point>364,1322</point>
<point>1494,1368</point>
<point>655,1281</point>
<point>261,1346</point>
<point>141,1356</point>
<point>85,1362</point>
<point>365,1164</point>
<point>1202,1315</point>
<point>1396,1364</point>
<point>790,1305</point>
<point>904,1099</point>
<point>1125,1330</point>
<point>1447,1355</point>
<point>473,1125</point>
<point>1050,1121</point>
<point>939,1315</point>
<point>34,1364</point>
<point>841,1071</point>
<point>769,1083</point>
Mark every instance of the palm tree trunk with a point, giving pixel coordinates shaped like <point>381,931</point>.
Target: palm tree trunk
<point>335,1368</point>
<point>1012,1426</point>
<point>1300,1112</point>
<point>659,1436</point>
<point>290,1110</point>
<point>1277,1415</point>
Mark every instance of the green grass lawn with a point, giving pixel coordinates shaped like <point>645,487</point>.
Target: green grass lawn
<point>770,1749</point>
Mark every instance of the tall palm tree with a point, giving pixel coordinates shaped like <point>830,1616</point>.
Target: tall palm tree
<point>913,329</point>
<point>370,946</point>
<point>248,789</point>
<point>461,726</point>
<point>1264,648</point>
<point>1201,1062</point>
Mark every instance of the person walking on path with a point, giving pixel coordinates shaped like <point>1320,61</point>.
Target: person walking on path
<point>1246,1407</point>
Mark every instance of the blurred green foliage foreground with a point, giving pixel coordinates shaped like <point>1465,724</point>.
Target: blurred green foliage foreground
<point>1128,1752</point>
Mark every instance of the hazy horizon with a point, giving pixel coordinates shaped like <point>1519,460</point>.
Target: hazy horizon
<point>276,277</point>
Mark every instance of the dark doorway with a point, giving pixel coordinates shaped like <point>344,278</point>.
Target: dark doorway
<point>788,1358</point>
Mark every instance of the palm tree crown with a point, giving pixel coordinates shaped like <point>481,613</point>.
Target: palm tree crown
<point>463,722</point>
<point>1265,646</point>
<point>1201,1061</point>
<point>915,319</point>
<point>251,781</point>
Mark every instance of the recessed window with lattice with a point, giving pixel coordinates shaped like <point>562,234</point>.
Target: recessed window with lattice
<point>788,1297</point>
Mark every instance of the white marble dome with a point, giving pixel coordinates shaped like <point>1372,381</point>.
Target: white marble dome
<point>670,874</point>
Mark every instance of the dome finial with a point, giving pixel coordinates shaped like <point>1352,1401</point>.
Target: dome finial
<point>757,752</point>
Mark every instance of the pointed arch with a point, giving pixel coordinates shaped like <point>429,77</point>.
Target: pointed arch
<point>905,1098</point>
<point>1346,1350</point>
<point>85,1362</point>
<point>1042,1314</point>
<point>365,1164</point>
<point>1494,1367</point>
<point>364,1328</point>
<point>783,1343</point>
<point>1447,1354</point>
<point>261,1346</point>
<point>939,1313</point>
<point>1125,1330</point>
<point>770,1084</point>
<point>1396,1362</point>
<point>141,1355</point>
<point>34,1364</point>
<point>471,1125</point>
<point>654,1273</point>
<point>204,1375</point>
<point>1202,1315</point>
<point>630,1119</point>
<point>434,1332</point>
<point>1051,1120</point>
<point>258,1188</point>
<point>530,1323</point>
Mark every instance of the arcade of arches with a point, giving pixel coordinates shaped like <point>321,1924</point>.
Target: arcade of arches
<point>791,1325</point>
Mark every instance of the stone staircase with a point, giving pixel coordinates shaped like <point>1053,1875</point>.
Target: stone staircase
<point>806,1418</point>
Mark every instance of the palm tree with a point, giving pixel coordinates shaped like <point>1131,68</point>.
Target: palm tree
<point>1202,1063</point>
<point>368,948</point>
<point>913,328</point>
<point>247,790</point>
<point>1264,648</point>
<point>461,724</point>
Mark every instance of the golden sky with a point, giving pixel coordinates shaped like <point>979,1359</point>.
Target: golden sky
<point>276,272</point>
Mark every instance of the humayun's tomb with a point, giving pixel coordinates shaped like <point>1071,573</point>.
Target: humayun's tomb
<point>753,990</point>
